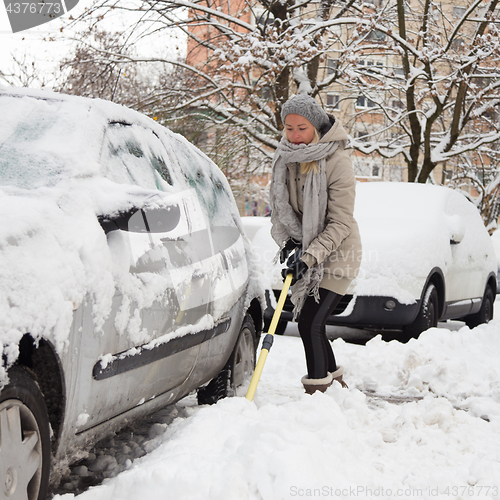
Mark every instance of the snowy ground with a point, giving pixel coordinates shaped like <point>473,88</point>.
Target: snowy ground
<point>420,420</point>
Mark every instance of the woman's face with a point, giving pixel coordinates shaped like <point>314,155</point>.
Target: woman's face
<point>299,130</point>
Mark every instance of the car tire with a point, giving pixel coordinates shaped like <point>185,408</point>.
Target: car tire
<point>427,316</point>
<point>24,438</point>
<point>485,314</point>
<point>237,372</point>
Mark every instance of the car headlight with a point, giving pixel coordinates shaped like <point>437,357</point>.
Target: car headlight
<point>390,305</point>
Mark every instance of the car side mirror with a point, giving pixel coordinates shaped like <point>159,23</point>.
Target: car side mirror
<point>142,220</point>
<point>457,229</point>
<point>457,236</point>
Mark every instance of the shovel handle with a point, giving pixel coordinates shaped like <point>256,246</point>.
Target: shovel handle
<point>268,339</point>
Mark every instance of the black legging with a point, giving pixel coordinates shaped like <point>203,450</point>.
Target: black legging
<point>312,319</point>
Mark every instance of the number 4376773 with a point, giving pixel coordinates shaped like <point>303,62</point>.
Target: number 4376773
<point>33,8</point>
<point>471,491</point>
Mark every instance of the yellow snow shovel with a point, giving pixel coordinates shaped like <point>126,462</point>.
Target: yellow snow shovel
<point>268,339</point>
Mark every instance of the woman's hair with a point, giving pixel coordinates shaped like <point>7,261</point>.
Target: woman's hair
<point>305,168</point>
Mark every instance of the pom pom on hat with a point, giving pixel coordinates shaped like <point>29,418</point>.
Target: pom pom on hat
<point>306,106</point>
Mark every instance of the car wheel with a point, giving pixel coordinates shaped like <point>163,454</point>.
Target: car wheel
<point>427,316</point>
<point>237,372</point>
<point>24,439</point>
<point>485,314</point>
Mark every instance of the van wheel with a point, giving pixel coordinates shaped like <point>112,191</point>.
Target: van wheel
<point>427,316</point>
<point>236,374</point>
<point>485,314</point>
<point>24,439</point>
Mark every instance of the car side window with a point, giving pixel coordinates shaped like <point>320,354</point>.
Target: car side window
<point>207,180</point>
<point>134,155</point>
<point>160,166</point>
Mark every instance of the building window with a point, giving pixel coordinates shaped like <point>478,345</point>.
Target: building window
<point>480,82</point>
<point>369,64</point>
<point>379,65</point>
<point>396,103</point>
<point>333,101</point>
<point>458,11</point>
<point>367,169</point>
<point>364,102</point>
<point>332,65</point>
<point>399,71</point>
<point>264,19</point>
<point>458,43</point>
<point>266,93</point>
<point>376,36</point>
<point>435,12</point>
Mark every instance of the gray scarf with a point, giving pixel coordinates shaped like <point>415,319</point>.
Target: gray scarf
<point>285,222</point>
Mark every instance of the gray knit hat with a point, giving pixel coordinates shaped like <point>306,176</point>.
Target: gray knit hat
<point>306,106</point>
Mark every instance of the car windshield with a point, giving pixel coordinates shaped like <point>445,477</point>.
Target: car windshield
<point>41,142</point>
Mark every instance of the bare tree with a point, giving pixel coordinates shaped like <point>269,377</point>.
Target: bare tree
<point>437,99</point>
<point>90,71</point>
<point>25,72</point>
<point>427,97</point>
<point>244,59</point>
<point>480,170</point>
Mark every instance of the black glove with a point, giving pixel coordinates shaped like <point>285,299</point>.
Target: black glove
<point>296,266</point>
<point>290,246</point>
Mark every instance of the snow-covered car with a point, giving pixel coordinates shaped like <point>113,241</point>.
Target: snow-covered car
<point>125,280</point>
<point>495,239</point>
<point>427,257</point>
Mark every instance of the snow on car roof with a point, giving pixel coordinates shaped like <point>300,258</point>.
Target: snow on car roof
<point>46,137</point>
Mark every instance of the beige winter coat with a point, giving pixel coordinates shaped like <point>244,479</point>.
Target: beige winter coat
<point>339,245</point>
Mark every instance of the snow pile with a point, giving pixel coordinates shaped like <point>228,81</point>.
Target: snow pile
<point>460,366</point>
<point>419,420</point>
